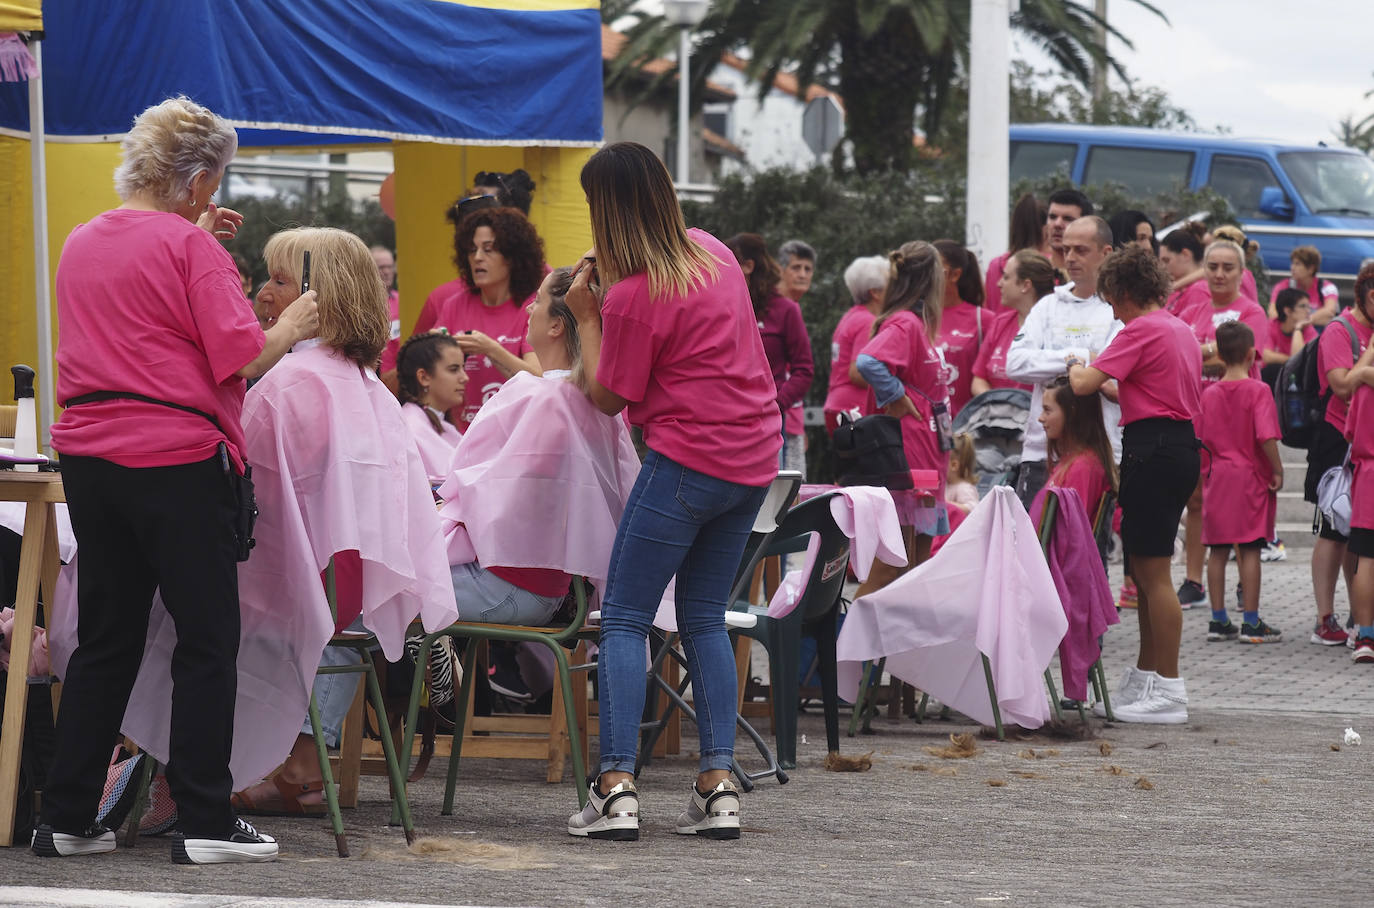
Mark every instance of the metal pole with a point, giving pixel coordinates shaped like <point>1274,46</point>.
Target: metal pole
<point>988,151</point>
<point>42,299</point>
<point>683,93</point>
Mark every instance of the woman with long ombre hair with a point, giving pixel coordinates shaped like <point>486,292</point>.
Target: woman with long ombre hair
<point>670,334</point>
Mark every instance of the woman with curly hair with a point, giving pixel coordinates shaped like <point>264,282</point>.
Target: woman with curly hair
<point>500,261</point>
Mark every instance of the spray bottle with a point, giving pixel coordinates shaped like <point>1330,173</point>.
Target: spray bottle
<point>26,426</point>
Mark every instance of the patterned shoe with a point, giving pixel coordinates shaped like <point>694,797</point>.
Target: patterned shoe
<point>613,816</point>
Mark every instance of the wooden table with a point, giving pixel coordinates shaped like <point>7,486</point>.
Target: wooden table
<point>38,560</point>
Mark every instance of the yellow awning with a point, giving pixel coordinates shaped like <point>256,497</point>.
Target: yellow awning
<point>21,15</point>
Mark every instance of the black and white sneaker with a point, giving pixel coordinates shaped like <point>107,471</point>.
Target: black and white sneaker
<point>49,843</point>
<point>613,816</point>
<point>243,845</point>
<point>714,815</point>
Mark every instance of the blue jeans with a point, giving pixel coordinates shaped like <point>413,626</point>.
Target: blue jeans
<point>682,522</point>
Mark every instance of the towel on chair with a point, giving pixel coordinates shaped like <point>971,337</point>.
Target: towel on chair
<point>1082,583</point>
<point>989,592</point>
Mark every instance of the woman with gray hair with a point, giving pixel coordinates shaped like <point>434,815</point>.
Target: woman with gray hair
<point>155,345</point>
<point>865,278</point>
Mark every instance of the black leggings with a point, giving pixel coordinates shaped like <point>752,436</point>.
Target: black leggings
<point>1159,470</point>
<point>140,530</point>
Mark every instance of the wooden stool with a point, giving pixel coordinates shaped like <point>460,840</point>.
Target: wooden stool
<point>38,560</point>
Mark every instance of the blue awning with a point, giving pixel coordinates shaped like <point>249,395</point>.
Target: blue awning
<point>311,72</point>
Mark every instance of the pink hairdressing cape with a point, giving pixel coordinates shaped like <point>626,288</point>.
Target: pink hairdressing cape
<point>539,480</point>
<point>335,469</point>
<point>989,592</point>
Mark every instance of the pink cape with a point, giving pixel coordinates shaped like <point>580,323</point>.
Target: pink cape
<point>539,480</point>
<point>1082,583</point>
<point>989,592</point>
<point>335,470</point>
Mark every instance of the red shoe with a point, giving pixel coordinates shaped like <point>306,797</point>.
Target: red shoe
<point>1328,632</point>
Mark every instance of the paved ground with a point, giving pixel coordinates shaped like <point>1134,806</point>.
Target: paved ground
<point>1256,801</point>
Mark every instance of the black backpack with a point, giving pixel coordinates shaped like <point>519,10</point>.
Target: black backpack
<point>1297,393</point>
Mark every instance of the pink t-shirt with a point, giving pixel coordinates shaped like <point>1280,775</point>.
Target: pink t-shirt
<point>1181,302</point>
<point>1205,318</point>
<point>694,372</point>
<point>850,335</point>
<point>1155,361</point>
<point>1334,352</point>
<point>455,307</point>
<point>393,344</point>
<point>1318,292</point>
<point>1361,437</point>
<point>1283,343</point>
<point>436,447</point>
<point>901,344</point>
<point>991,364</point>
<point>1234,421</point>
<point>1086,475</point>
<point>963,328</point>
<point>150,303</point>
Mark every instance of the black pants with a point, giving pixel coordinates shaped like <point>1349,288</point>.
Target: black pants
<point>140,530</point>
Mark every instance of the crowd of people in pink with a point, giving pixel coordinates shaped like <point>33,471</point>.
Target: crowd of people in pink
<point>621,419</point>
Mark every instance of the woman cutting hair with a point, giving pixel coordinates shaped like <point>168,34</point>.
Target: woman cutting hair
<point>674,340</point>
<point>153,313</point>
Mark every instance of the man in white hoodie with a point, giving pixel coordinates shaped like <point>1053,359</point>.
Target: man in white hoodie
<point>1071,320</point>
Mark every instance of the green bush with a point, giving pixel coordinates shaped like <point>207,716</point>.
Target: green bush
<point>264,217</point>
<point>855,215</point>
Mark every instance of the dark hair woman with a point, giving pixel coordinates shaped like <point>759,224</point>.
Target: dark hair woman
<point>785,340</point>
<point>963,323</point>
<point>500,260</point>
<point>431,381</point>
<point>1027,231</point>
<point>672,337</point>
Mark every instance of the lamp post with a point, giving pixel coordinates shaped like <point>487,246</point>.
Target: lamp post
<point>686,15</point>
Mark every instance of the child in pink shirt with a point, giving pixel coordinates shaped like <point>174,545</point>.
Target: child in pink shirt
<point>1080,452</point>
<point>1241,478</point>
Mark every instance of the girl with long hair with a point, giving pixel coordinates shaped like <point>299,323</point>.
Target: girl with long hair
<point>430,382</point>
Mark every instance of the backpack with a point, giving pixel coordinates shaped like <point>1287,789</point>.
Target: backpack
<point>1297,392</point>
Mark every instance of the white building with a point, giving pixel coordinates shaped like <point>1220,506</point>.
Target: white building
<point>768,131</point>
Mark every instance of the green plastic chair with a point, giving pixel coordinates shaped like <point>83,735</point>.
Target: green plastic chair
<point>552,637</point>
<point>363,643</point>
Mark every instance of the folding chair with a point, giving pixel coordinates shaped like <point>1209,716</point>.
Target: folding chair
<point>363,643</point>
<point>814,614</point>
<point>552,637</point>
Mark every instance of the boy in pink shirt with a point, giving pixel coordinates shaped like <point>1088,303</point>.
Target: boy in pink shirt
<point>1239,428</point>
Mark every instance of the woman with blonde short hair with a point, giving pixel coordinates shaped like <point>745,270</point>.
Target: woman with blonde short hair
<point>155,345</point>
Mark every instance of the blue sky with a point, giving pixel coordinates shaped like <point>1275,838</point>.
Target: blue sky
<point>1271,68</point>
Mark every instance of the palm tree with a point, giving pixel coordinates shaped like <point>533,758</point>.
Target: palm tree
<point>888,59</point>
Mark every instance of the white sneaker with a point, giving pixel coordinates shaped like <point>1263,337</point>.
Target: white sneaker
<point>713,816</point>
<point>49,843</point>
<point>1132,686</point>
<point>614,817</point>
<point>1165,702</point>
<point>243,845</point>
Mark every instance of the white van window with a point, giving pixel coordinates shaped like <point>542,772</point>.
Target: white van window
<point>1036,160</point>
<point>1240,180</point>
<point>1143,171</point>
<point>1331,182</point>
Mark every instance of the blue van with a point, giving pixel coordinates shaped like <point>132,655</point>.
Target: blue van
<point>1284,195</point>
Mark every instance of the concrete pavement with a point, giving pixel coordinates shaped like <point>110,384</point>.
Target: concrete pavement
<point>1255,802</point>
